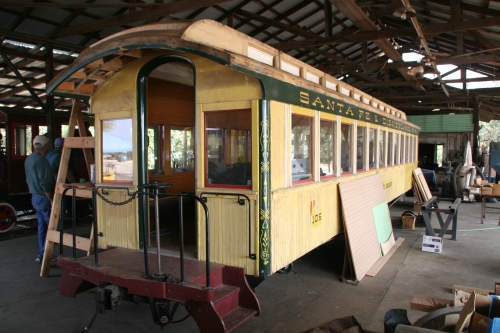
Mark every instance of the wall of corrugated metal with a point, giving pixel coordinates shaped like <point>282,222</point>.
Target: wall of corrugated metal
<point>444,123</point>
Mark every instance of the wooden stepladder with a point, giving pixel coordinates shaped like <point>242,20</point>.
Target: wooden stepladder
<point>85,142</point>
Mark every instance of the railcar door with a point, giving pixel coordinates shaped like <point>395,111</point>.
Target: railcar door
<point>230,188</point>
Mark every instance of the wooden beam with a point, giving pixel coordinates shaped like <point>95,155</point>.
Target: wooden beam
<point>470,8</point>
<point>431,29</point>
<point>37,39</point>
<point>377,65</point>
<point>364,23</point>
<point>363,85</point>
<point>146,14</point>
<point>80,5</point>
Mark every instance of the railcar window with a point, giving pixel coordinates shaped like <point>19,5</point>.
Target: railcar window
<point>382,156</point>
<point>402,149</point>
<point>390,146</point>
<point>23,138</point>
<point>345,148</point>
<point>42,130</point>
<point>408,149</point>
<point>397,156</point>
<point>3,135</point>
<point>360,150</point>
<point>371,152</point>
<point>117,163</point>
<point>228,157</point>
<point>155,160</point>
<point>182,149</point>
<point>302,142</point>
<point>327,148</point>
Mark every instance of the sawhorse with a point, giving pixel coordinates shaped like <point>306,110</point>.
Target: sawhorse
<point>431,206</point>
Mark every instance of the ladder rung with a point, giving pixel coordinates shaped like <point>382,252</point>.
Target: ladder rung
<point>82,243</point>
<point>80,193</point>
<point>79,142</point>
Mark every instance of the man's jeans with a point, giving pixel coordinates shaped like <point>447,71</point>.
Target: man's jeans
<point>42,206</point>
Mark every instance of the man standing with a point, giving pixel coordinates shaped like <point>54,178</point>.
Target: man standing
<point>54,158</point>
<point>41,185</point>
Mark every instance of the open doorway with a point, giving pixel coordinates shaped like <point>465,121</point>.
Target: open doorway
<point>170,154</point>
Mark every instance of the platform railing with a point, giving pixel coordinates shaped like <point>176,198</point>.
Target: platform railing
<point>151,191</point>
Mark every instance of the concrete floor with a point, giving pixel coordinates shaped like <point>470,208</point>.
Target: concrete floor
<point>310,295</point>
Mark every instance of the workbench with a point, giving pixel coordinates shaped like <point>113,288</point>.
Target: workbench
<point>485,197</point>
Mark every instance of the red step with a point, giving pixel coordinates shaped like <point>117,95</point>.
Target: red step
<point>225,299</point>
<point>237,317</point>
<point>234,303</point>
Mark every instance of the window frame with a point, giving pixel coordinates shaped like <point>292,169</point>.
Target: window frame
<point>374,149</point>
<point>12,143</point>
<point>382,154</point>
<point>116,181</point>
<point>249,142</point>
<point>349,123</point>
<point>333,122</point>
<point>170,148</point>
<point>160,142</point>
<point>311,148</point>
<point>364,157</point>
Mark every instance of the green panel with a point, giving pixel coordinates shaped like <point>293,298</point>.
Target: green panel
<point>383,222</point>
<point>265,189</point>
<point>333,103</point>
<point>444,123</point>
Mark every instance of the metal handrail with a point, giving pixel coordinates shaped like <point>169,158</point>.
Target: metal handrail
<point>240,202</point>
<point>153,193</point>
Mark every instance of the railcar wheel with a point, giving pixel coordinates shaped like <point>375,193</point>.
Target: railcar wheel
<point>7,217</point>
<point>287,269</point>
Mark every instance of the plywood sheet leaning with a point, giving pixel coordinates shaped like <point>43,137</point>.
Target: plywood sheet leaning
<point>373,271</point>
<point>359,222</point>
<point>422,187</point>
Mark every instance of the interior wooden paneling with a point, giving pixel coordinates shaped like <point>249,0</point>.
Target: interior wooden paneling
<point>171,104</point>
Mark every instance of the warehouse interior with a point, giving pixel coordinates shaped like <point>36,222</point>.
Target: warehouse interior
<point>435,60</point>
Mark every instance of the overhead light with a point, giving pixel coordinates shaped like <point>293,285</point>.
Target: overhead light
<point>436,109</point>
<point>428,60</point>
<point>405,12</point>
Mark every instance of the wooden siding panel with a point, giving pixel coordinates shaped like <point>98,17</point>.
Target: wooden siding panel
<point>292,230</point>
<point>228,232</point>
<point>277,144</point>
<point>118,223</point>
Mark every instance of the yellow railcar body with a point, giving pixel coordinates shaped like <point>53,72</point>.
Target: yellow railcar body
<point>234,72</point>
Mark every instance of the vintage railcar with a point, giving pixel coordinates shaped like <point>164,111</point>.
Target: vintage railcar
<point>262,138</point>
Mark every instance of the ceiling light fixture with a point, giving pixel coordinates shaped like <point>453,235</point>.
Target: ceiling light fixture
<point>405,12</point>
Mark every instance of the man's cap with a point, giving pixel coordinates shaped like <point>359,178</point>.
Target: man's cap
<point>58,142</point>
<point>40,141</point>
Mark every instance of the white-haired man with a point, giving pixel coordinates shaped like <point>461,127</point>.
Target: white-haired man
<point>41,185</point>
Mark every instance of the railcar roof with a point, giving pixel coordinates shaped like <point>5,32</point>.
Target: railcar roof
<point>99,62</point>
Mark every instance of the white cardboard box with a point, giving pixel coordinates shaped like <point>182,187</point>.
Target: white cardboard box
<point>432,244</point>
